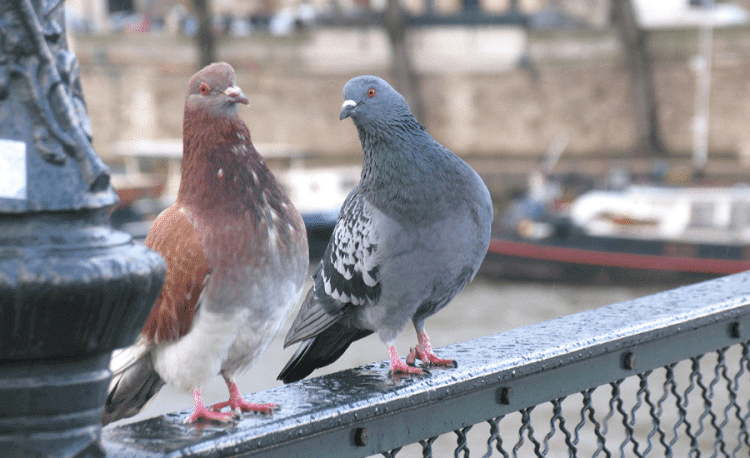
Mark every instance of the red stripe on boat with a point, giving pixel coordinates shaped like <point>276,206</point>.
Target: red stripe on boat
<point>615,259</point>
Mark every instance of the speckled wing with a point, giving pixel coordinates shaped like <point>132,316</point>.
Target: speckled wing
<point>175,239</point>
<point>347,275</point>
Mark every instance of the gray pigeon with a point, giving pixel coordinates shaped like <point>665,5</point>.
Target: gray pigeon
<point>410,236</point>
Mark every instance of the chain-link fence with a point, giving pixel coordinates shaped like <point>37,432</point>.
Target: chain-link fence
<point>697,407</point>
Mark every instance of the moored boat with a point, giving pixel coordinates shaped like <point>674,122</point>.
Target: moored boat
<point>637,234</point>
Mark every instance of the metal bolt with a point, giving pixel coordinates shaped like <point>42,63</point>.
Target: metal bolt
<point>503,395</point>
<point>361,437</point>
<point>628,360</point>
<point>735,330</point>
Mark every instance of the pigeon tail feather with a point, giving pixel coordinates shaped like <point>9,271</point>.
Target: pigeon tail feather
<point>134,383</point>
<point>320,351</point>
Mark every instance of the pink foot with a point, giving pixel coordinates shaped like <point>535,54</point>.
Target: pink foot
<point>238,404</point>
<point>398,366</point>
<point>202,413</point>
<point>424,353</point>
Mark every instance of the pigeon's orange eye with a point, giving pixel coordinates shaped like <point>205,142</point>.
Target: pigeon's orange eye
<point>205,89</point>
<point>371,92</point>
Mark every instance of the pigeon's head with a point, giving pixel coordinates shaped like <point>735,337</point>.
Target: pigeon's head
<point>370,99</point>
<point>214,90</point>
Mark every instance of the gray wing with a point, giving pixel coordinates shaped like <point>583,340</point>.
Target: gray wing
<point>134,382</point>
<point>347,275</point>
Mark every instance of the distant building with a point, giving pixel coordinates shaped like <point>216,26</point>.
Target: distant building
<point>101,16</point>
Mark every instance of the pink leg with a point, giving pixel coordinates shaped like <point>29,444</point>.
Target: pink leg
<point>201,412</point>
<point>398,366</point>
<point>238,404</point>
<point>424,353</point>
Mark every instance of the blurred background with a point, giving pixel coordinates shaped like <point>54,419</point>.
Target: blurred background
<point>593,91</point>
<point>618,127</point>
<point>496,81</point>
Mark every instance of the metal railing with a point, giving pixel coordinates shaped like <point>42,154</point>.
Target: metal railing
<point>664,375</point>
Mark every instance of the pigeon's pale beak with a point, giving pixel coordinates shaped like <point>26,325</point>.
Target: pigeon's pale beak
<point>236,95</point>
<point>347,109</point>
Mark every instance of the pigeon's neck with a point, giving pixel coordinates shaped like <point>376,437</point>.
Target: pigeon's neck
<point>405,169</point>
<point>221,170</point>
<point>225,181</point>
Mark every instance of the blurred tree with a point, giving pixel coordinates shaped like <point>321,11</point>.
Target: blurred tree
<point>639,62</point>
<point>471,5</point>
<point>205,37</point>
<point>404,78</point>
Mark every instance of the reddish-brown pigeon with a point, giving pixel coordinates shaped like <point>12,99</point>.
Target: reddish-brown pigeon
<point>236,254</point>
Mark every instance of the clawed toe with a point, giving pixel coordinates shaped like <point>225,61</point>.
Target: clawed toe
<point>406,370</point>
<point>429,360</point>
<point>209,415</point>
<point>423,352</point>
<point>239,406</point>
<point>411,358</point>
<point>218,406</point>
<point>261,408</point>
<point>438,362</point>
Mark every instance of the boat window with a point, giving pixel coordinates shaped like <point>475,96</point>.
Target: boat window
<point>702,214</point>
<point>740,217</point>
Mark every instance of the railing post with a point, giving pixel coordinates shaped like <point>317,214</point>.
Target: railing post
<point>72,289</point>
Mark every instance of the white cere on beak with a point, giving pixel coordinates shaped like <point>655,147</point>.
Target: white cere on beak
<point>348,104</point>
<point>235,93</point>
<point>232,91</point>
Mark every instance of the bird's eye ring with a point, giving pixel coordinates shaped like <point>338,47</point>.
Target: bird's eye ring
<point>371,92</point>
<point>205,89</point>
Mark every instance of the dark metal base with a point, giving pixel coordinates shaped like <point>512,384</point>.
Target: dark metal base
<point>53,406</point>
<point>71,290</point>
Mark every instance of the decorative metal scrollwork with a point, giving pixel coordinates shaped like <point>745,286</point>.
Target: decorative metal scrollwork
<point>34,49</point>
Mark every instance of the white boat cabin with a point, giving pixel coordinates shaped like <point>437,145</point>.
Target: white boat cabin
<point>684,215</point>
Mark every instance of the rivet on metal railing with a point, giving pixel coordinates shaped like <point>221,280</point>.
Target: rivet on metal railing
<point>735,330</point>
<point>361,437</point>
<point>503,395</point>
<point>628,360</point>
